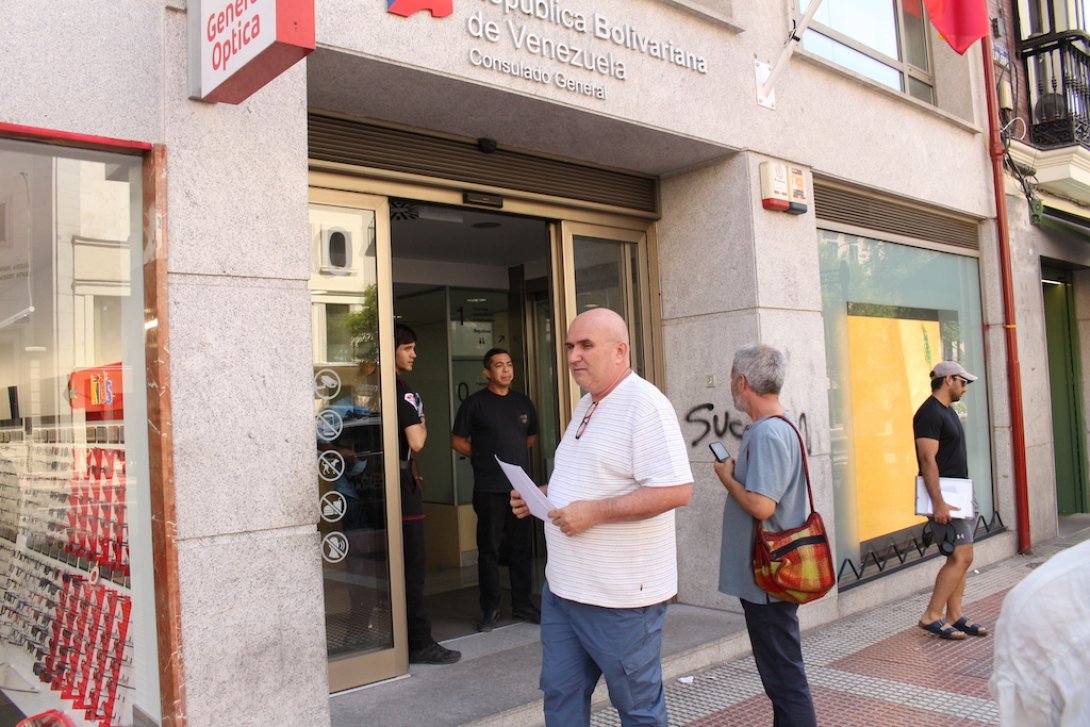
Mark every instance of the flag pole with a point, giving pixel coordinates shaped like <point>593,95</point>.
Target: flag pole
<point>787,51</point>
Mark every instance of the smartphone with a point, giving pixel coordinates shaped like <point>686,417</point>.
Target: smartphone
<point>720,452</point>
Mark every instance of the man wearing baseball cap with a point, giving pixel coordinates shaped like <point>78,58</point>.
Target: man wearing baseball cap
<point>941,452</point>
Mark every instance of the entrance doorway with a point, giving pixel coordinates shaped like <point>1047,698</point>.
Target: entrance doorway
<point>461,281</point>
<point>1065,375</point>
<point>465,278</point>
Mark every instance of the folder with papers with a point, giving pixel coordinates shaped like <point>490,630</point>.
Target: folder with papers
<point>956,492</point>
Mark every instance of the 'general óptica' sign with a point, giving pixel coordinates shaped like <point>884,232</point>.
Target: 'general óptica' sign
<point>237,46</point>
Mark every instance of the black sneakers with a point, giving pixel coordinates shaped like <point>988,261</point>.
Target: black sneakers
<point>489,620</point>
<point>528,613</point>
<point>434,654</point>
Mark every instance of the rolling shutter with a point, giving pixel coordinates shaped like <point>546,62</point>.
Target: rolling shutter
<point>348,141</point>
<point>864,209</point>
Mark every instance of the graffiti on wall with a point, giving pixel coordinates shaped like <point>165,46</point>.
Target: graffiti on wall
<point>707,421</point>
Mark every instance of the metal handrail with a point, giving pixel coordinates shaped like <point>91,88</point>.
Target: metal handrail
<point>1049,40</point>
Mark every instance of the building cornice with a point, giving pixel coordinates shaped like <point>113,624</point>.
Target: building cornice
<point>1064,171</point>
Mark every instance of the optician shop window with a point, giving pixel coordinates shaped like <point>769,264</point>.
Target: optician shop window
<point>77,625</point>
<point>891,312</point>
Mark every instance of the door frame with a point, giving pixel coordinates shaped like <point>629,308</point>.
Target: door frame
<point>641,237</point>
<point>1065,381</point>
<point>568,217</point>
<point>333,181</point>
<point>354,670</point>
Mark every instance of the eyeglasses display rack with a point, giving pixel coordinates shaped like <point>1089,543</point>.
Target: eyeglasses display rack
<point>64,562</point>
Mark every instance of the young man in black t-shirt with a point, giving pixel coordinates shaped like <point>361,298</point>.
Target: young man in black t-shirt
<point>411,435</point>
<point>941,452</point>
<point>498,422</point>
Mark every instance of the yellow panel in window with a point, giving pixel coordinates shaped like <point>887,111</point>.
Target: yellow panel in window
<point>889,360</point>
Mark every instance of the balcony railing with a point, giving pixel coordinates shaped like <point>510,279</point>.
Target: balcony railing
<point>1058,71</point>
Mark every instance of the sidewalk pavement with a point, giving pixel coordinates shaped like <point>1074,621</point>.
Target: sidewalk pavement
<point>871,669</point>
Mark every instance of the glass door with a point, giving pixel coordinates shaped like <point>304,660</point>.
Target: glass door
<point>357,484</point>
<point>604,269</point>
<point>541,375</point>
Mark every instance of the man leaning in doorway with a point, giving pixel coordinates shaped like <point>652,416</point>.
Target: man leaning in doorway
<point>411,435</point>
<point>621,469</point>
<point>498,422</point>
<point>941,452</point>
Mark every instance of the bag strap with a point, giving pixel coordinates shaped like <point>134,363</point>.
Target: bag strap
<point>805,465</point>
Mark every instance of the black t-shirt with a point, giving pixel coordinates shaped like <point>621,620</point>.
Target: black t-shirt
<point>933,420</point>
<point>497,426</point>
<point>410,411</point>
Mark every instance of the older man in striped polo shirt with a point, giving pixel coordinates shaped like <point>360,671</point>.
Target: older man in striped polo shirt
<point>621,469</point>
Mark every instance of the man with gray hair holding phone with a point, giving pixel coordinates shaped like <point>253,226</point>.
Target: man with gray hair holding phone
<point>765,482</point>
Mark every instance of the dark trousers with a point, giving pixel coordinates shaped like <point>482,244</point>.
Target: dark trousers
<point>412,534</point>
<point>494,519</point>
<point>777,649</point>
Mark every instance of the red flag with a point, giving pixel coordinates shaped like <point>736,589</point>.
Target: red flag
<point>960,22</point>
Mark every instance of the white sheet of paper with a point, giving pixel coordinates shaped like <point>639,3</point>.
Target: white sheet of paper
<point>955,491</point>
<point>534,497</point>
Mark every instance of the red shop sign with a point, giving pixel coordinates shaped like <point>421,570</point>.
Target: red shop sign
<point>97,390</point>
<point>238,46</point>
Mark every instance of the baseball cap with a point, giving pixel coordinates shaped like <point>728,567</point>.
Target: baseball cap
<point>950,368</point>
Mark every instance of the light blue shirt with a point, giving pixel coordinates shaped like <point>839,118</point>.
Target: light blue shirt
<point>769,463</point>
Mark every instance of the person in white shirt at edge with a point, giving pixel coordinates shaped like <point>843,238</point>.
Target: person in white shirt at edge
<point>621,469</point>
<point>1042,645</point>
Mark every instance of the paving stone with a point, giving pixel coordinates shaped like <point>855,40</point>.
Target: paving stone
<point>872,669</point>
